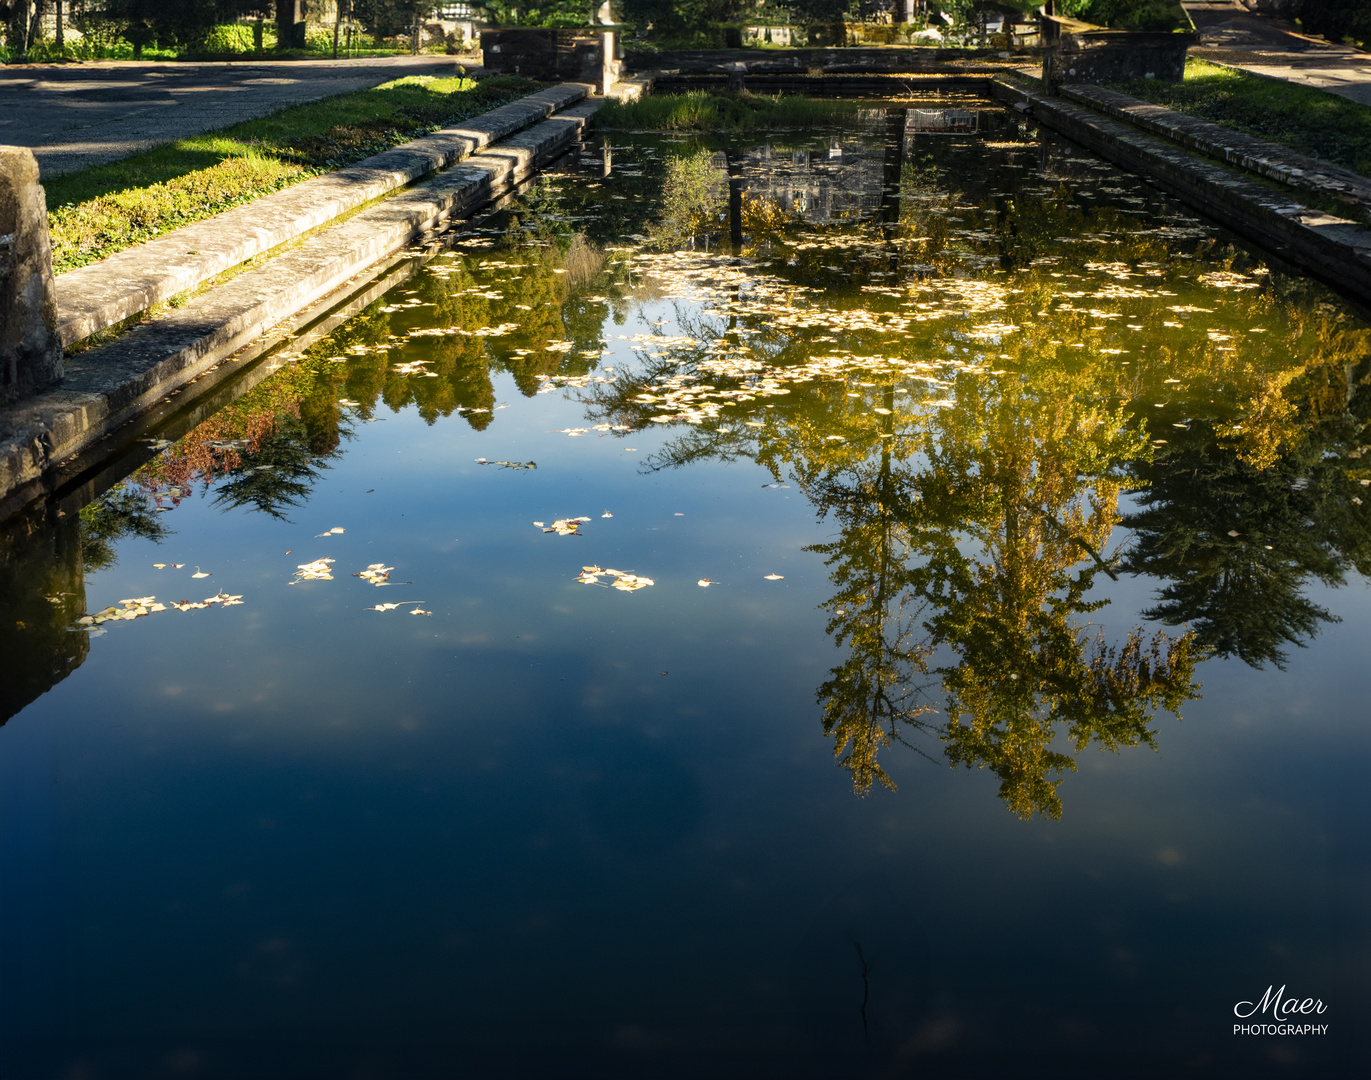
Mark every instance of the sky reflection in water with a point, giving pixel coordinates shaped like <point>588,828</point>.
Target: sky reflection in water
<point>992,458</point>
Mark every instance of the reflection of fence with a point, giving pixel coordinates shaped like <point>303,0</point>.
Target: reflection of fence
<point>941,121</point>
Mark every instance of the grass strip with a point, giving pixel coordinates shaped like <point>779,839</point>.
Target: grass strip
<point>98,211</point>
<point>1313,122</point>
<point>699,110</point>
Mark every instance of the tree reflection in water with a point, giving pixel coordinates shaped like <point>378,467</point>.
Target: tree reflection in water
<point>975,532</point>
<point>972,530</point>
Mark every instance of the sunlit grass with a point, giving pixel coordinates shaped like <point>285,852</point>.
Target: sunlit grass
<point>1310,121</point>
<point>698,110</point>
<point>98,211</point>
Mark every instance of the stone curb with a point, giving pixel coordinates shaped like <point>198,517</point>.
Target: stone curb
<point>1258,156</point>
<point>109,385</point>
<point>1330,248</point>
<point>99,295</point>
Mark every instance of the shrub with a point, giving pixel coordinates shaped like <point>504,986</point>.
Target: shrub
<point>237,38</point>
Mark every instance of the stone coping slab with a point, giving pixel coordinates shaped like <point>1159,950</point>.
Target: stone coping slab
<point>882,59</point>
<point>1330,248</point>
<point>111,384</point>
<point>1264,158</point>
<point>104,293</point>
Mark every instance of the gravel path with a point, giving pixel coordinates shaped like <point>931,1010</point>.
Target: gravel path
<point>76,115</point>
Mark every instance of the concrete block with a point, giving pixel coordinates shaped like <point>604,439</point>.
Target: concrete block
<point>552,55</point>
<point>30,350</point>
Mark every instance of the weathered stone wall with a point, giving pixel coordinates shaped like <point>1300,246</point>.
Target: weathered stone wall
<point>828,60</point>
<point>1077,53</point>
<point>551,55</point>
<point>30,350</point>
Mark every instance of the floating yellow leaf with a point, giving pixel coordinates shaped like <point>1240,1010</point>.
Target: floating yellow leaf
<point>775,577</point>
<point>566,526</point>
<point>376,574</point>
<point>318,570</point>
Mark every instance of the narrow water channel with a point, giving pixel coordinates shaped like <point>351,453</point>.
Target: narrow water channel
<point>887,601</point>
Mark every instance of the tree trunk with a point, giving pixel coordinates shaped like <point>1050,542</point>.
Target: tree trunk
<point>17,32</point>
<point>61,37</point>
<point>36,22</point>
<point>337,28</point>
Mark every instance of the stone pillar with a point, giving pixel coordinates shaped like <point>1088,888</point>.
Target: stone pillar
<point>30,350</point>
<point>609,67</point>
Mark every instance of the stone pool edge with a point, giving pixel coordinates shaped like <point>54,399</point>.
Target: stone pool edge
<point>1335,250</point>
<point>107,386</point>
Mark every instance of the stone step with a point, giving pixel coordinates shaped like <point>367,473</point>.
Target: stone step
<point>107,292</point>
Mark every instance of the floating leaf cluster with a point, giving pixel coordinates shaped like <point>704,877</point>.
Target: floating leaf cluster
<point>625,582</point>
<point>140,606</point>
<point>564,526</point>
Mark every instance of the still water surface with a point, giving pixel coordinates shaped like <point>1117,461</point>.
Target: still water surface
<point>925,482</point>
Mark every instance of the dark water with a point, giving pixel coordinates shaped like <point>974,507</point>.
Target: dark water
<point>959,466</point>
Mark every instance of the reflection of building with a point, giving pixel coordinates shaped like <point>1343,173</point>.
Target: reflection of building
<point>942,121</point>
<point>821,184</point>
<point>849,177</point>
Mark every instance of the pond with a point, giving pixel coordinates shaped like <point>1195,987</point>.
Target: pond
<point>886,601</point>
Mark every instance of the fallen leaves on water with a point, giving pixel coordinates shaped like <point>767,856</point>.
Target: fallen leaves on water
<point>397,604</point>
<point>318,570</point>
<point>704,582</point>
<point>414,367</point>
<point>508,464</point>
<point>200,573</point>
<point>136,607</point>
<point>376,574</point>
<point>564,526</point>
<point>590,575</point>
<point>775,577</point>
<point>335,531</point>
<point>606,514</point>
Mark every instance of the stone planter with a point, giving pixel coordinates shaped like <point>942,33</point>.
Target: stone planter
<point>1077,52</point>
